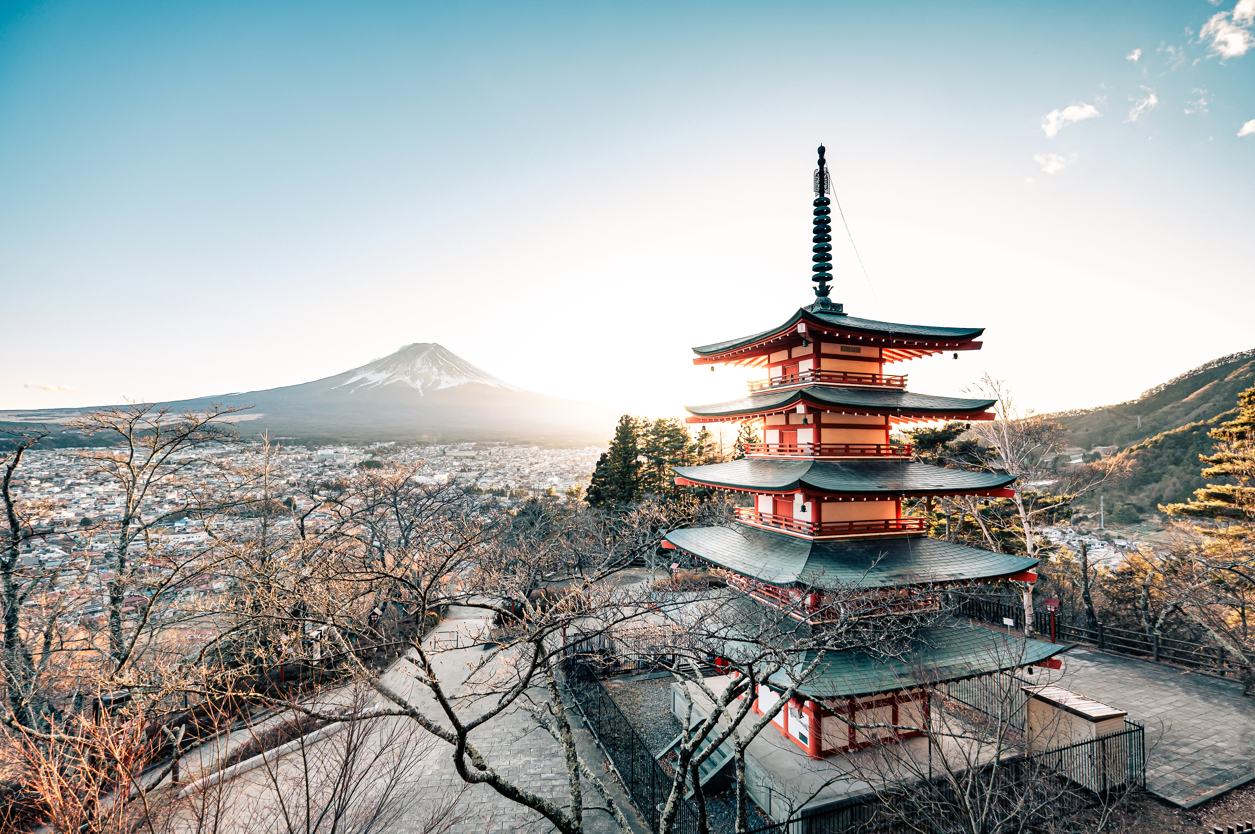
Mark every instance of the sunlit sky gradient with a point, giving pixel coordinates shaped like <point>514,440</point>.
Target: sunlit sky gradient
<point>217,197</point>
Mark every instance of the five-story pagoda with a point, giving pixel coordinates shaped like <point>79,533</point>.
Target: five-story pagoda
<point>828,489</point>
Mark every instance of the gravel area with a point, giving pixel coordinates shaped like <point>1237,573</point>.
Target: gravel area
<point>647,704</point>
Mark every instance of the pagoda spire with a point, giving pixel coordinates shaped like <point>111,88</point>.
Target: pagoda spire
<point>822,248</point>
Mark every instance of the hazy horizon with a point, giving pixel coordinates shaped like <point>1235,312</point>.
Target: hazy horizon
<point>236,197</point>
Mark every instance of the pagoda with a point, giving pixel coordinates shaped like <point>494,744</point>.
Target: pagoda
<point>828,486</point>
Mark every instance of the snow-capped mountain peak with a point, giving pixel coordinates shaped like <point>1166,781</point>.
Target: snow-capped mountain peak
<point>425,366</point>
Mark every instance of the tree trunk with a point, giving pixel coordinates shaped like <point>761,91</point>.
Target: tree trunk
<point>1091,617</point>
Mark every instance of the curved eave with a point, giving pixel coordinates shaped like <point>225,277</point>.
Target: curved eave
<point>900,406</point>
<point>939,654</point>
<point>905,340</point>
<point>840,478</point>
<point>788,562</point>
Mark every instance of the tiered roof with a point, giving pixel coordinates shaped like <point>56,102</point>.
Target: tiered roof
<point>892,478</point>
<point>791,561</point>
<point>898,341</point>
<point>900,406</point>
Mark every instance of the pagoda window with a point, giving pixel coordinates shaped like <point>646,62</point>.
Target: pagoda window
<point>860,351</point>
<point>778,356</point>
<point>777,419</point>
<point>858,510</point>
<point>765,503</point>
<point>771,436</point>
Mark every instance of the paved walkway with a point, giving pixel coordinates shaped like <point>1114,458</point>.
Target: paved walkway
<point>512,743</point>
<point>1200,731</point>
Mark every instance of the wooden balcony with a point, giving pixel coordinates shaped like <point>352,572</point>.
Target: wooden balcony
<point>833,529</point>
<point>827,450</point>
<point>844,378</point>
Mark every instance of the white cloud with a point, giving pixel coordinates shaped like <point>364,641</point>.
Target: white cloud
<point>1141,106</point>
<point>1057,120</point>
<point>1134,55</point>
<point>1231,38</point>
<point>47,387</point>
<point>1199,105</point>
<point>1248,129</point>
<point>1053,163</point>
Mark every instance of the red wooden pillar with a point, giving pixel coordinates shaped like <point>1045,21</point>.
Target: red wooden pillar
<point>814,729</point>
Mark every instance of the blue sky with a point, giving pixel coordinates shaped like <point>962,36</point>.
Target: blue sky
<point>215,197</point>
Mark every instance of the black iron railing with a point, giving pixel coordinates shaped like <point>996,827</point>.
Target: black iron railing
<point>1067,780</point>
<point>1197,656</point>
<point>646,781</point>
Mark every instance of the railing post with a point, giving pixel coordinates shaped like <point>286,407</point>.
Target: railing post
<point>1155,640</point>
<point>1102,643</point>
<point>1220,660</point>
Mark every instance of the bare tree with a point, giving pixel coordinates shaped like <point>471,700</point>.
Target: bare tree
<point>353,776</point>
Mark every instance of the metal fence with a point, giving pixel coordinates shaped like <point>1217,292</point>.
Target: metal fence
<point>1061,782</point>
<point>647,782</point>
<point>1197,656</point>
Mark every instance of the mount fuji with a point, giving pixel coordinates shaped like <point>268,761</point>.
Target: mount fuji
<point>423,392</point>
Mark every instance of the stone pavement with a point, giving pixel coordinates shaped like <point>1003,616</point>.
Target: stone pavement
<point>512,743</point>
<point>1200,731</point>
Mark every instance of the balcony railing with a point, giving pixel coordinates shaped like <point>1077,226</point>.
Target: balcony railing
<point>869,527</point>
<point>830,378</point>
<point>828,450</point>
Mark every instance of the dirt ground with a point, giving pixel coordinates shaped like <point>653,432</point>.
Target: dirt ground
<point>1147,815</point>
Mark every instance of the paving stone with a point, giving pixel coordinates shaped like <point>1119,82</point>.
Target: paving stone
<point>1200,732</point>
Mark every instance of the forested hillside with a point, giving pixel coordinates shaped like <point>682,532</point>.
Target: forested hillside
<point>1194,396</point>
<point>1162,433</point>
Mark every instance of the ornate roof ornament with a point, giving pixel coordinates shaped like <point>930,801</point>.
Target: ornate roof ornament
<point>822,248</point>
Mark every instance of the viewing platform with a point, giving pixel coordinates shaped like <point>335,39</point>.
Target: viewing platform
<point>830,451</point>
<point>843,378</point>
<point>833,529</point>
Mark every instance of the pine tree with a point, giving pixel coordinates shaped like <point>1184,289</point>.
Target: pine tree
<point>1234,461</point>
<point>703,448</point>
<point>665,445</point>
<point>746,434</point>
<point>616,481</point>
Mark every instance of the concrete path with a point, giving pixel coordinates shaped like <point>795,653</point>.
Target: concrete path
<point>1200,731</point>
<point>425,779</point>
<point>512,743</point>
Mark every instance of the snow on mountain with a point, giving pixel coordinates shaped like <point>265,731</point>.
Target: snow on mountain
<point>425,366</point>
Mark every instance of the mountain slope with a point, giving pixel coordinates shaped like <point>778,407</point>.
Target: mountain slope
<point>423,392</point>
<point>1161,434</point>
<point>1194,396</point>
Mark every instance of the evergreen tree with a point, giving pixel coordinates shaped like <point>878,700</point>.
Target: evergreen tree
<point>617,479</point>
<point>665,445</point>
<point>703,448</point>
<point>1234,461</point>
<point>746,433</point>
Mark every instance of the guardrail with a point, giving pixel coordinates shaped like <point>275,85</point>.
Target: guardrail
<point>1155,647</point>
<point>873,527</point>
<point>829,378</point>
<point>829,450</point>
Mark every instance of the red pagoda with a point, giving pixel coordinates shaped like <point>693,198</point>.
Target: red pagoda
<point>828,488</point>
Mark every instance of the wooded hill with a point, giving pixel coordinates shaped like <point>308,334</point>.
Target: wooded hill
<point>1163,432</point>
